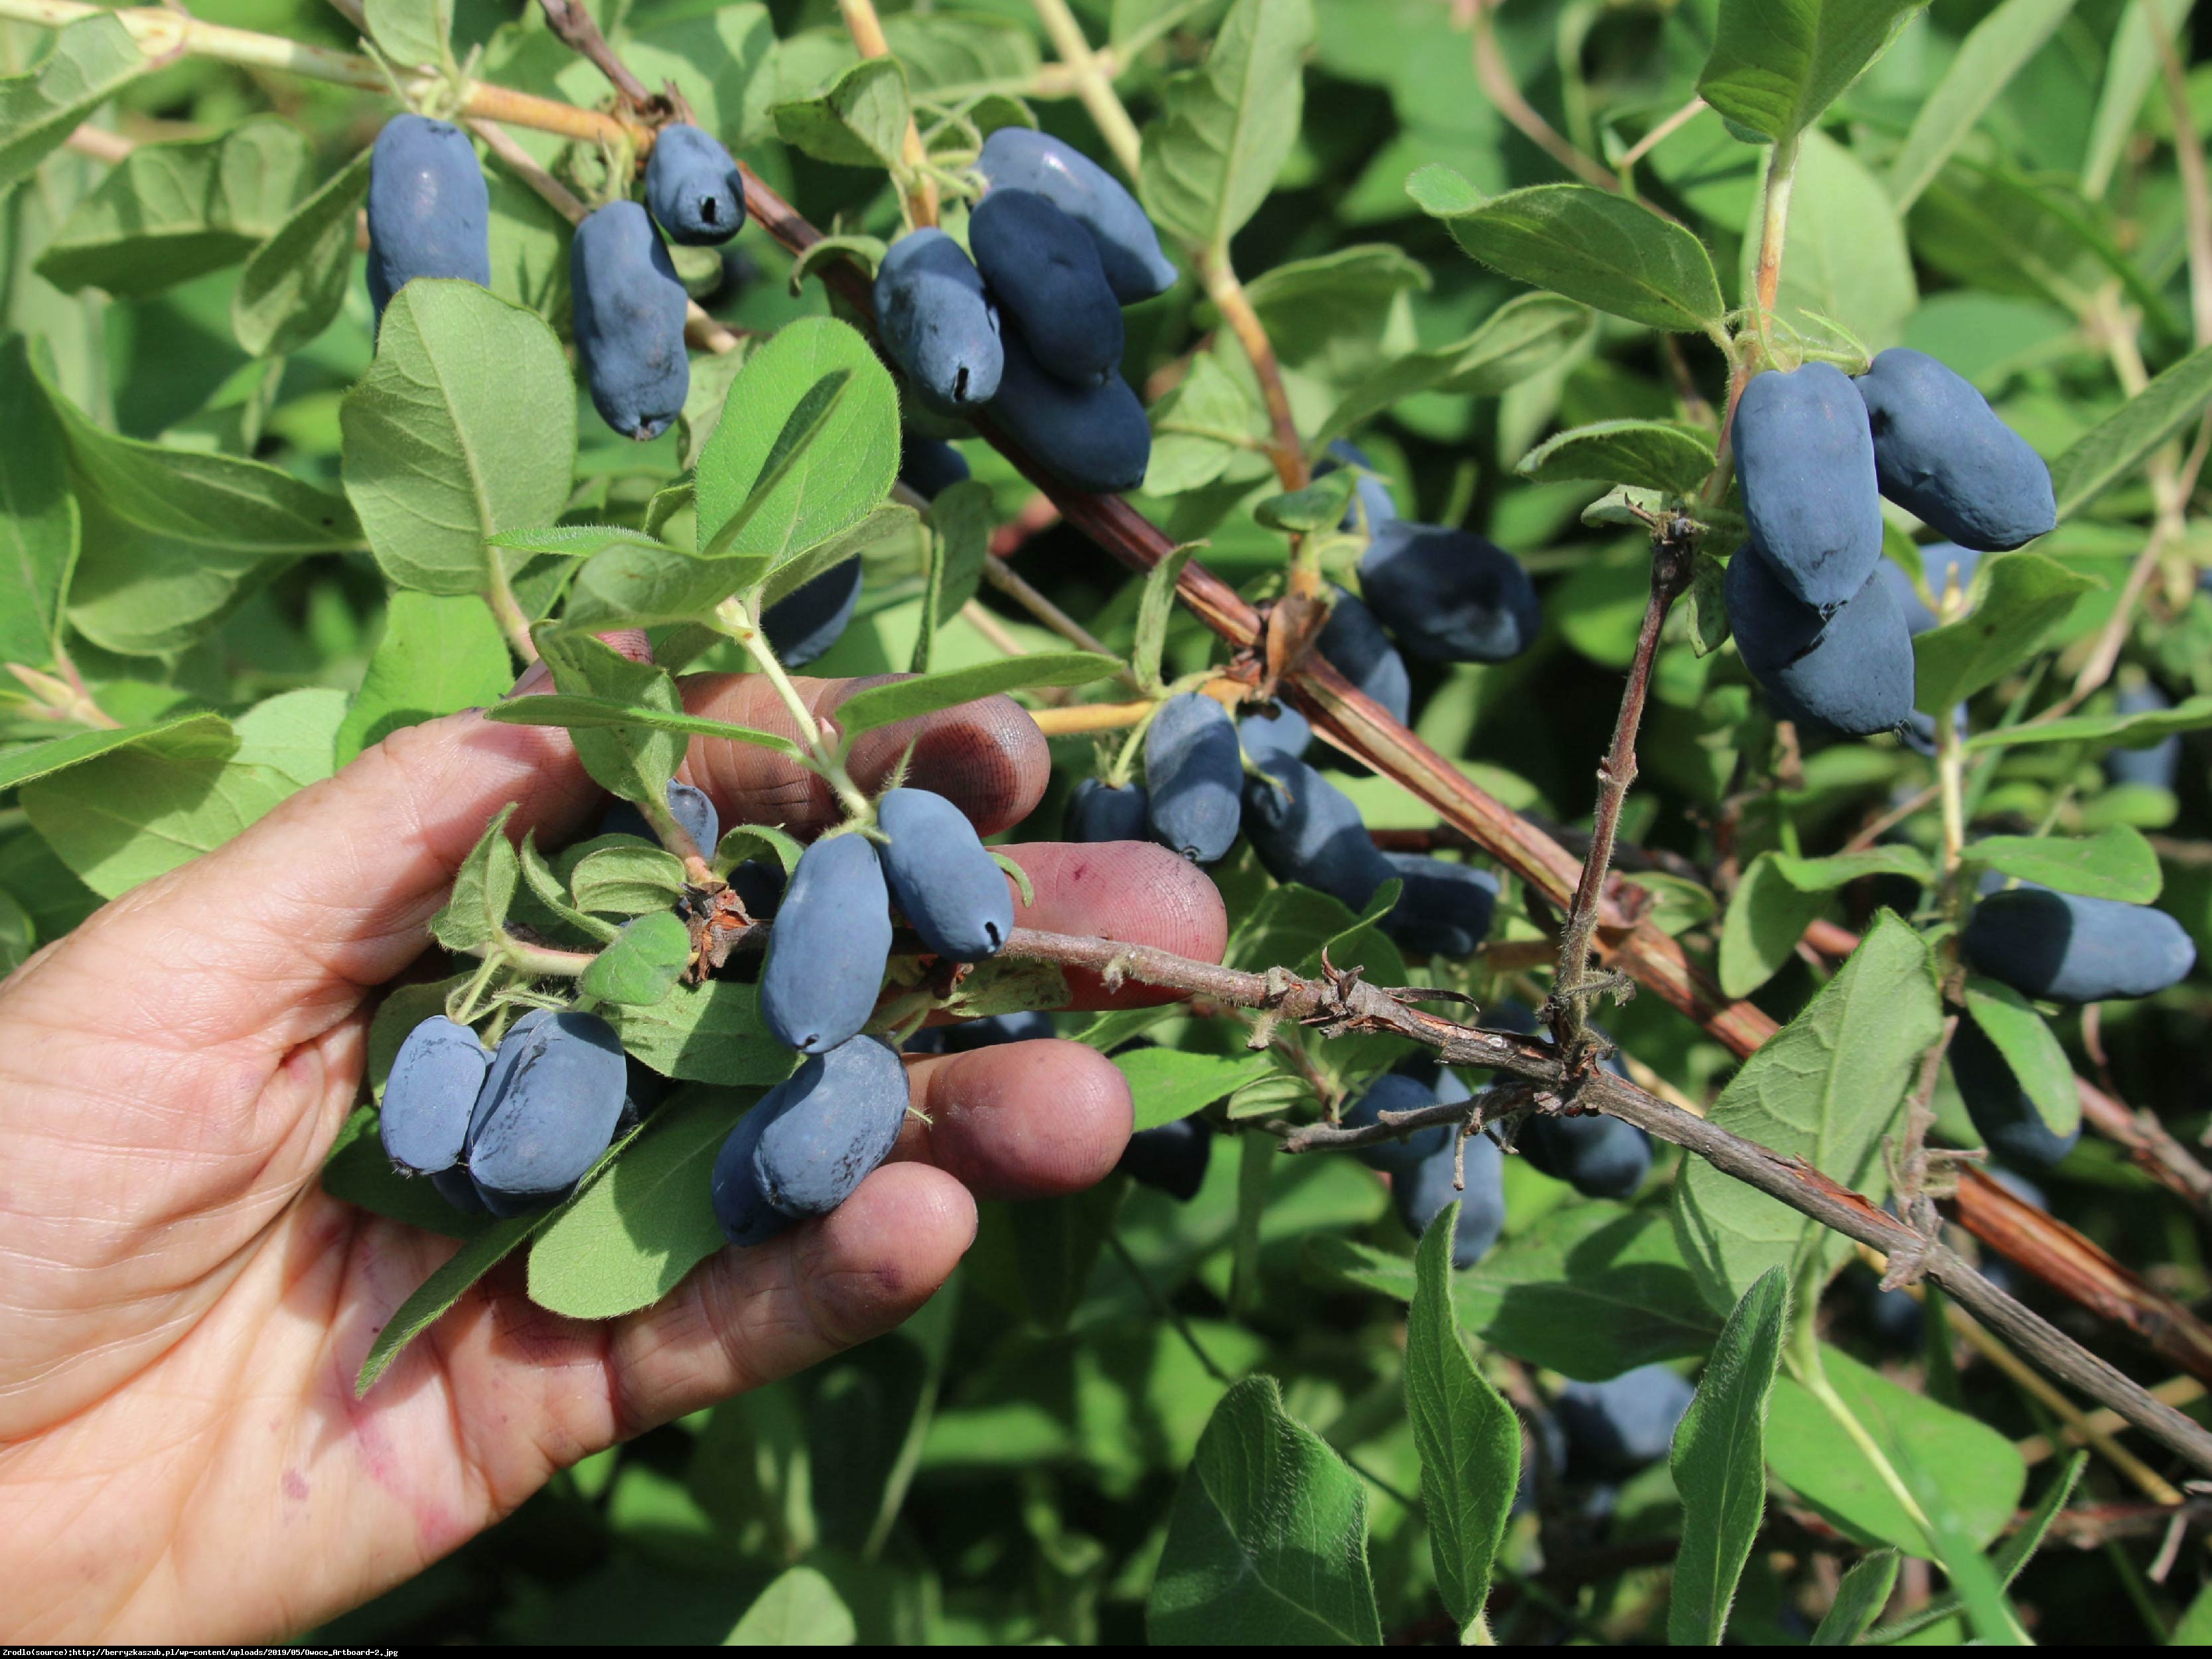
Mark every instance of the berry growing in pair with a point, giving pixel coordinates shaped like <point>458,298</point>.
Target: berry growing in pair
<point>692,808</point>
<point>1095,437</point>
<point>1424,1192</point>
<point>1805,459</point>
<point>2003,1116</point>
<point>810,1141</point>
<point>429,1096</point>
<point>949,886</point>
<point>833,936</point>
<point>938,323</point>
<point>1444,909</point>
<point>813,617</point>
<point>929,467</point>
<point>1194,770</point>
<point>550,1103</point>
<point>1172,1158</point>
<point>1129,248</point>
<point>1306,830</point>
<point>1357,648</point>
<point>1851,671</point>
<point>1043,270</point>
<point>1942,454</point>
<point>630,310</point>
<point>695,190</point>
<point>1098,810</point>
<point>1450,595</point>
<point>1285,732</point>
<point>430,210</point>
<point>1616,1427</point>
<point>1599,1157</point>
<point>2069,948</point>
<point>964,1036</point>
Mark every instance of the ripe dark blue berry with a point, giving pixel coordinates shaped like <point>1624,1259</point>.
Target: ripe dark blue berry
<point>1194,771</point>
<point>833,936</point>
<point>967,1035</point>
<point>692,808</point>
<point>2072,949</point>
<point>1308,831</point>
<point>929,467</point>
<point>950,889</point>
<point>1043,270</point>
<point>1422,1194</point>
<point>1448,595</point>
<point>430,210</point>
<point>1942,455</point>
<point>1445,908</point>
<point>430,1096</point>
<point>1285,732</point>
<point>829,1124</point>
<point>553,1113</point>
<point>1806,462</point>
<point>1599,1157</point>
<point>1358,648</point>
<point>1094,437</point>
<point>1172,1158</point>
<point>1616,1427</point>
<point>746,1215</point>
<point>1098,810</point>
<point>1851,672</point>
<point>810,619</point>
<point>695,190</point>
<point>630,311</point>
<point>1394,1091</point>
<point>2004,1117</point>
<point>938,323</point>
<point>1021,158</point>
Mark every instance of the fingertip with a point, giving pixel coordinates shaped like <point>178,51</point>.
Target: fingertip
<point>1131,890</point>
<point>1022,1120</point>
<point>987,757</point>
<point>872,1262</point>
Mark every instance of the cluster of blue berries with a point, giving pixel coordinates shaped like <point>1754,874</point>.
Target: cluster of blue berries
<point>1818,624</point>
<point>429,216</point>
<point>1025,322</point>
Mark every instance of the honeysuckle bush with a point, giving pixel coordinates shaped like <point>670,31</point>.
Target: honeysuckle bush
<point>1524,256</point>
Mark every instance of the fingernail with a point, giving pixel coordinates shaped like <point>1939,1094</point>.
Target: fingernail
<point>535,678</point>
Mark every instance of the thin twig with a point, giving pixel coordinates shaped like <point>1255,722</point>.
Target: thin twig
<point>1497,79</point>
<point>1286,449</point>
<point>1094,83</point>
<point>575,29</point>
<point>1658,135</point>
<point>867,32</point>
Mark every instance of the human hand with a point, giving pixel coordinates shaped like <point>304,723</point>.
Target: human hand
<point>183,1311</point>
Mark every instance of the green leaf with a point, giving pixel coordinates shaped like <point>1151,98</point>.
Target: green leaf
<point>187,734</point>
<point>1226,127</point>
<point>2118,864</point>
<point>2010,1557</point>
<point>1719,1463</point>
<point>2018,599</point>
<point>623,878</point>
<point>2130,69</point>
<point>1859,1601</point>
<point>902,699</point>
<point>961,520</point>
<point>1210,422</point>
<point>438,656</point>
<point>37,515</point>
<point>643,964</point>
<point>1847,257</point>
<point>93,58</point>
<point>1167,1084</point>
<point>174,540</point>
<point>1155,610</point>
<point>1587,244</point>
<point>708,1033</point>
<point>294,283</point>
<point>19,933</point>
<point>892,522</point>
<point>133,812</point>
<point>545,886</point>
<point>1775,64</point>
<point>629,758</point>
<point>413,33</point>
<point>723,60</point>
<point>1267,1543</point>
<point>439,1292</point>
<point>464,426</point>
<point>1522,338</point>
<point>1320,505</point>
<point>745,840</point>
<point>800,1609</point>
<point>475,913</point>
<point>580,714</point>
<point>629,1238</point>
<point>1335,310</point>
<point>2030,1049</point>
<point>636,582</point>
<point>1469,1439</point>
<point>858,121</point>
<point>807,447</point>
<point>1995,50</point>
<point>2126,730</point>
<point>1807,1447</point>
<point>1825,1090</point>
<point>1665,455</point>
<point>171,211</point>
<point>2120,443</point>
<point>1780,894</point>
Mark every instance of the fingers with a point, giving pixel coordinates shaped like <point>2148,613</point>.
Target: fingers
<point>986,758</point>
<point>1123,890</point>
<point>1027,1120</point>
<point>746,1317</point>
